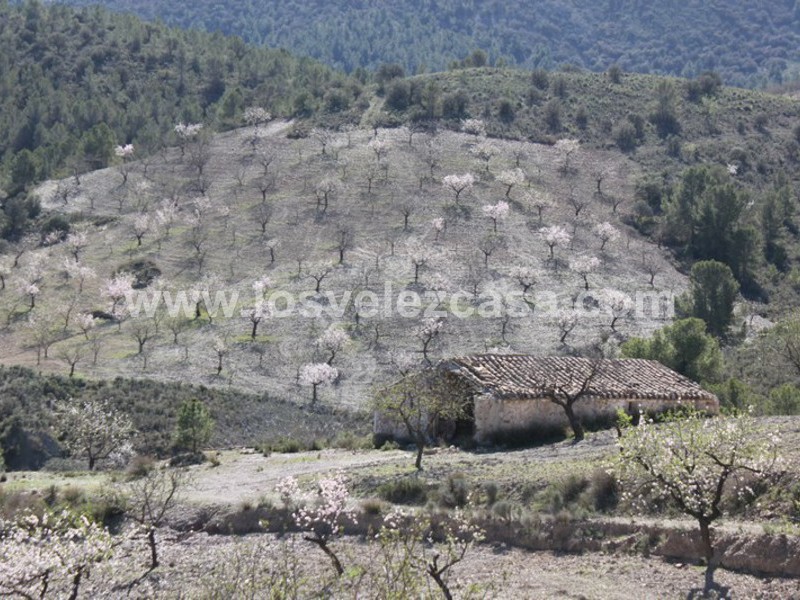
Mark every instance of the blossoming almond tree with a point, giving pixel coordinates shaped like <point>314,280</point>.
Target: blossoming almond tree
<point>692,461</point>
<point>496,212</point>
<point>459,183</point>
<point>94,429</point>
<point>321,514</point>
<point>510,178</point>
<point>49,553</point>
<point>317,374</point>
<point>583,266</point>
<point>555,235</point>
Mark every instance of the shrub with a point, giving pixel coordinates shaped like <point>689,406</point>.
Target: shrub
<point>559,87</point>
<point>491,489</point>
<point>454,492</point>
<point>540,79</point>
<point>140,466</point>
<point>409,490</point>
<point>372,506</point>
<point>350,441</point>
<point>614,74</point>
<point>625,136</point>
<point>603,491</point>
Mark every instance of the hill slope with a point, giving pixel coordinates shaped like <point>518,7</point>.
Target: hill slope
<point>204,232</point>
<point>748,43</point>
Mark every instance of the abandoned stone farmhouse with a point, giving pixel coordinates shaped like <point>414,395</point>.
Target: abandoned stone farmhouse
<point>511,395</point>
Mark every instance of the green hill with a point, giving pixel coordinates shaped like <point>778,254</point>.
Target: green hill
<point>749,43</point>
<point>75,82</point>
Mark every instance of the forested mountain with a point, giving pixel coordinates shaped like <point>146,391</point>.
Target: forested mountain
<point>750,43</point>
<point>75,82</point>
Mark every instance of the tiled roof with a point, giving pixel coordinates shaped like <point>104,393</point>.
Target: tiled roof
<point>521,376</point>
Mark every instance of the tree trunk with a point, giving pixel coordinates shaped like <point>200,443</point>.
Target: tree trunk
<point>151,540</point>
<point>324,547</point>
<point>708,552</point>
<point>76,583</point>
<point>91,462</point>
<point>574,423</point>
<point>255,328</point>
<point>418,461</point>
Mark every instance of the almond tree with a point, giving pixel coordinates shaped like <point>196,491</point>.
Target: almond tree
<point>428,333</point>
<point>490,244</point>
<point>692,461</point>
<point>78,272</point>
<point>496,212</point>
<point>75,243</point>
<point>256,314</point>
<point>325,192</point>
<point>333,339</point>
<point>538,200</point>
<point>571,384</point>
<point>317,374</point>
<point>566,148</point>
<point>566,321</point>
<point>619,304</point>
<point>525,277</point>
<point>474,126</point>
<point>555,235</point>
<point>420,400</point>
<point>150,498</point>
<point>72,354</point>
<point>321,515</point>
<point>186,133</point>
<point>318,272</point>
<point>459,184</point>
<point>117,289</point>
<point>221,350</point>
<point>485,151</point>
<point>141,225</point>
<point>606,232</point>
<point>94,429</point>
<point>124,153</point>
<point>439,225</point>
<point>420,256</point>
<point>510,178</point>
<point>49,552</point>
<point>583,266</point>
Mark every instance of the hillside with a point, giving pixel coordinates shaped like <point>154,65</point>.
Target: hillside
<point>214,241</point>
<point>76,82</point>
<point>750,44</point>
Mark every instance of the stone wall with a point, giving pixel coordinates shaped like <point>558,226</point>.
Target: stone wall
<point>496,417</point>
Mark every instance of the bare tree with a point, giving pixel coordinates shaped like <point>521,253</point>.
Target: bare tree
<point>72,354</point>
<point>151,498</point>
<point>318,272</point>
<point>344,241</point>
<point>489,245</point>
<point>262,213</point>
<point>570,384</point>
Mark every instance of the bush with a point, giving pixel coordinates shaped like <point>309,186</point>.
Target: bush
<point>140,466</point>
<point>491,489</point>
<point>614,74</point>
<point>625,136</point>
<point>372,506</point>
<point>350,441</point>
<point>540,79</point>
<point>454,492</point>
<point>603,491</point>
<point>409,490</point>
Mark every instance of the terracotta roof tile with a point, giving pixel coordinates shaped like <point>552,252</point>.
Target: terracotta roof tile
<point>524,376</point>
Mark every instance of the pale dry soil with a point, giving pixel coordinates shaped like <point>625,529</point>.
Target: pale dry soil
<point>189,563</point>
